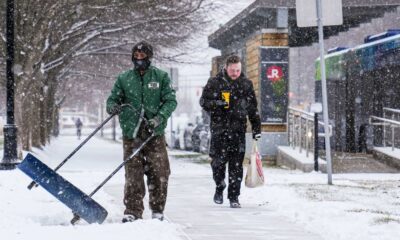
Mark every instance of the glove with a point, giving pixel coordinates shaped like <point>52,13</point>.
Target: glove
<point>116,109</point>
<point>153,123</point>
<point>221,103</point>
<point>256,136</point>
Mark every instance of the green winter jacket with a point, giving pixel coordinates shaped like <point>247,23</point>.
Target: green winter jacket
<point>151,95</point>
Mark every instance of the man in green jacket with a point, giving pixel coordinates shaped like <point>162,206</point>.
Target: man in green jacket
<point>148,90</point>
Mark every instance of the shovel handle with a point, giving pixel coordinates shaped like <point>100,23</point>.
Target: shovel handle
<point>75,219</point>
<point>32,185</point>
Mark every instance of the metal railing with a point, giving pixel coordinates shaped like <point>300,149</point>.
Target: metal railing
<point>395,115</point>
<point>385,122</point>
<point>302,129</point>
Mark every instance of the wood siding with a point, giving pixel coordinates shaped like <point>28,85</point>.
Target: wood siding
<point>253,45</point>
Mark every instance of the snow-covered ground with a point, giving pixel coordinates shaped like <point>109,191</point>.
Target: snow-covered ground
<point>35,214</point>
<point>357,206</point>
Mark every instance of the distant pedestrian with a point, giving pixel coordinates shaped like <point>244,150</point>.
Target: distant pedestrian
<point>78,125</point>
<point>229,97</point>
<point>148,90</point>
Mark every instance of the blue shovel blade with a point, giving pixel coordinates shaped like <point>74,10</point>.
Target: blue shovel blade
<point>80,203</point>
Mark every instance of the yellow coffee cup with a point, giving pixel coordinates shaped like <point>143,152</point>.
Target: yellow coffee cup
<point>226,96</point>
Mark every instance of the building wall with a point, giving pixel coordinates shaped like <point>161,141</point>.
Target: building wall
<point>216,64</point>
<point>302,67</point>
<point>268,37</point>
<point>252,60</point>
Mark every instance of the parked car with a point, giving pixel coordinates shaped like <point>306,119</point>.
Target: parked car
<point>200,138</point>
<point>205,140</point>
<point>187,137</point>
<point>176,144</point>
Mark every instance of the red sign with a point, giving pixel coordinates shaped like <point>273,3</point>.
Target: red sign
<point>274,73</point>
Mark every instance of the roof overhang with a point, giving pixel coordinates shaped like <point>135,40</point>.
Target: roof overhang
<point>262,14</point>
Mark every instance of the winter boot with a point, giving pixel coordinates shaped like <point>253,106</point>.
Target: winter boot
<point>219,191</point>
<point>218,197</point>
<point>129,218</point>
<point>156,215</point>
<point>235,203</point>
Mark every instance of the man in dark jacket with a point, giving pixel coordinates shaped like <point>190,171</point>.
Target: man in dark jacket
<point>149,92</point>
<point>229,98</point>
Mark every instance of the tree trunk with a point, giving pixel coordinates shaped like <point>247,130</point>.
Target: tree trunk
<point>43,119</point>
<point>50,108</point>
<point>35,119</point>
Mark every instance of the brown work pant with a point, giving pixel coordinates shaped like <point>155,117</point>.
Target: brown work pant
<point>153,162</point>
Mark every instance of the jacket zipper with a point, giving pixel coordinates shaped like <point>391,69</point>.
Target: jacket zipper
<point>135,132</point>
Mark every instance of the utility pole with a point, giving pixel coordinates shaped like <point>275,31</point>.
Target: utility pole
<point>324,92</point>
<point>310,13</point>
<point>10,159</point>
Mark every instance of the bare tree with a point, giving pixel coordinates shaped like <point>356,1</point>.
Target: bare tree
<point>54,37</point>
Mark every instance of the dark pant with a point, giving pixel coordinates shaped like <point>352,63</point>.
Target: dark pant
<point>228,150</point>
<point>153,162</point>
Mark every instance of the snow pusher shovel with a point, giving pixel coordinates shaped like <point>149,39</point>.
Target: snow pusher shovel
<point>78,215</point>
<point>82,205</point>
<point>71,196</point>
<point>34,184</point>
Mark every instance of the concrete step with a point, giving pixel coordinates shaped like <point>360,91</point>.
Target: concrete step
<point>388,156</point>
<point>341,162</point>
<point>359,163</point>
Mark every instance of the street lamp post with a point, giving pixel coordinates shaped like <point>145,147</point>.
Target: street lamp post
<point>10,159</point>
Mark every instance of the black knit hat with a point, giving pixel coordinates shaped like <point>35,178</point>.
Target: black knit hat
<point>143,46</point>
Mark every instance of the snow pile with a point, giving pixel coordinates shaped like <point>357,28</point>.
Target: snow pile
<point>357,206</point>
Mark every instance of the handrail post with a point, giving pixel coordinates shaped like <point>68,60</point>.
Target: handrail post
<point>300,133</point>
<point>290,122</point>
<point>384,130</point>
<point>307,142</point>
<point>316,167</point>
<point>294,131</point>
<point>392,137</point>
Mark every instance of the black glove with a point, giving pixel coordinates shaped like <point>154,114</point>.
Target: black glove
<point>256,136</point>
<point>116,109</point>
<point>221,103</point>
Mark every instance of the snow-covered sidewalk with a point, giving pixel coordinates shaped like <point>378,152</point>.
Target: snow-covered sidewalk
<point>292,204</point>
<point>36,214</point>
